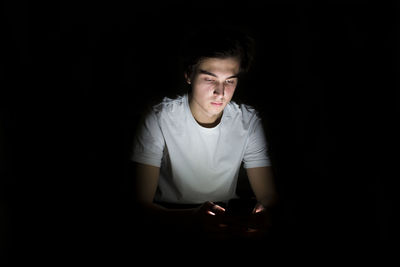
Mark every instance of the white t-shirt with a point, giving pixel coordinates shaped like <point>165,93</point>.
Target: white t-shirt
<point>199,164</point>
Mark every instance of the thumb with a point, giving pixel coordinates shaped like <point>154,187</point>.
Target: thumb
<point>258,208</point>
<point>216,209</point>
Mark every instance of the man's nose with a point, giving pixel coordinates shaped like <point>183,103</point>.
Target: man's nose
<point>220,89</point>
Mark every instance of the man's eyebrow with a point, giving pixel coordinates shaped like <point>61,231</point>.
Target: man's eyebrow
<point>214,75</point>
<point>207,72</point>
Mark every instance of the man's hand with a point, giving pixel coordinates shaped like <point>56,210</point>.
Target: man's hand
<point>210,216</point>
<point>259,221</point>
<point>254,225</point>
<point>215,223</point>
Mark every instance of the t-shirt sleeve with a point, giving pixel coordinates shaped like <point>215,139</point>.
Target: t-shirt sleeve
<point>256,151</point>
<point>148,145</point>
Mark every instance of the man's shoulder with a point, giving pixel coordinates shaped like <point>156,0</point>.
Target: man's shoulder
<point>169,108</point>
<point>245,111</point>
<point>168,105</point>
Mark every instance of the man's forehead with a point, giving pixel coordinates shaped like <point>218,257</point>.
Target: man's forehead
<point>217,75</point>
<point>217,66</point>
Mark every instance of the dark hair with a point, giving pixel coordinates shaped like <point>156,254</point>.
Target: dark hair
<point>217,43</point>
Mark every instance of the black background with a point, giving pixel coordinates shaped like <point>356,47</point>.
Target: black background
<point>76,78</point>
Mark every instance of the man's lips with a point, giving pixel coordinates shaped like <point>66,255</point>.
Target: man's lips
<point>216,103</point>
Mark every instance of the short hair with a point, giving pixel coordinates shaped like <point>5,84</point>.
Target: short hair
<point>217,43</point>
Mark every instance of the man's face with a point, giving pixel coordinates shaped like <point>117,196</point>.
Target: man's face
<point>213,85</point>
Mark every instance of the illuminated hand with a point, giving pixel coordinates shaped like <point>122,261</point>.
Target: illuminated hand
<point>259,221</point>
<point>258,208</point>
<point>210,215</point>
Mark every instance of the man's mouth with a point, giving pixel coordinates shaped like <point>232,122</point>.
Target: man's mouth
<point>218,104</point>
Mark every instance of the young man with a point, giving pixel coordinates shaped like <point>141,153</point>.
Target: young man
<point>189,150</point>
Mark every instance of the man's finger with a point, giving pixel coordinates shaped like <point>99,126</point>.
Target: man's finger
<point>217,209</point>
<point>258,208</point>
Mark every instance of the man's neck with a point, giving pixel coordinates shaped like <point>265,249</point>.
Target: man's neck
<point>200,116</point>
<point>209,125</point>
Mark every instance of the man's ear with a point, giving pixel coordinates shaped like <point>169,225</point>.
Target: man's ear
<point>187,78</point>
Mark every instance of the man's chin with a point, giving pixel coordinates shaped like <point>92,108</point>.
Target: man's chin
<point>215,111</point>
<point>216,114</point>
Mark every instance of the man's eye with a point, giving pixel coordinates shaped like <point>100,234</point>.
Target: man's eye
<point>209,80</point>
<point>230,81</point>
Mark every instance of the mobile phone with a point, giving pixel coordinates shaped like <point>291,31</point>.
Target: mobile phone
<point>240,207</point>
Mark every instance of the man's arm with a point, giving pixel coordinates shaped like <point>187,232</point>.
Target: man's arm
<point>262,182</point>
<point>146,182</point>
<point>145,186</point>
